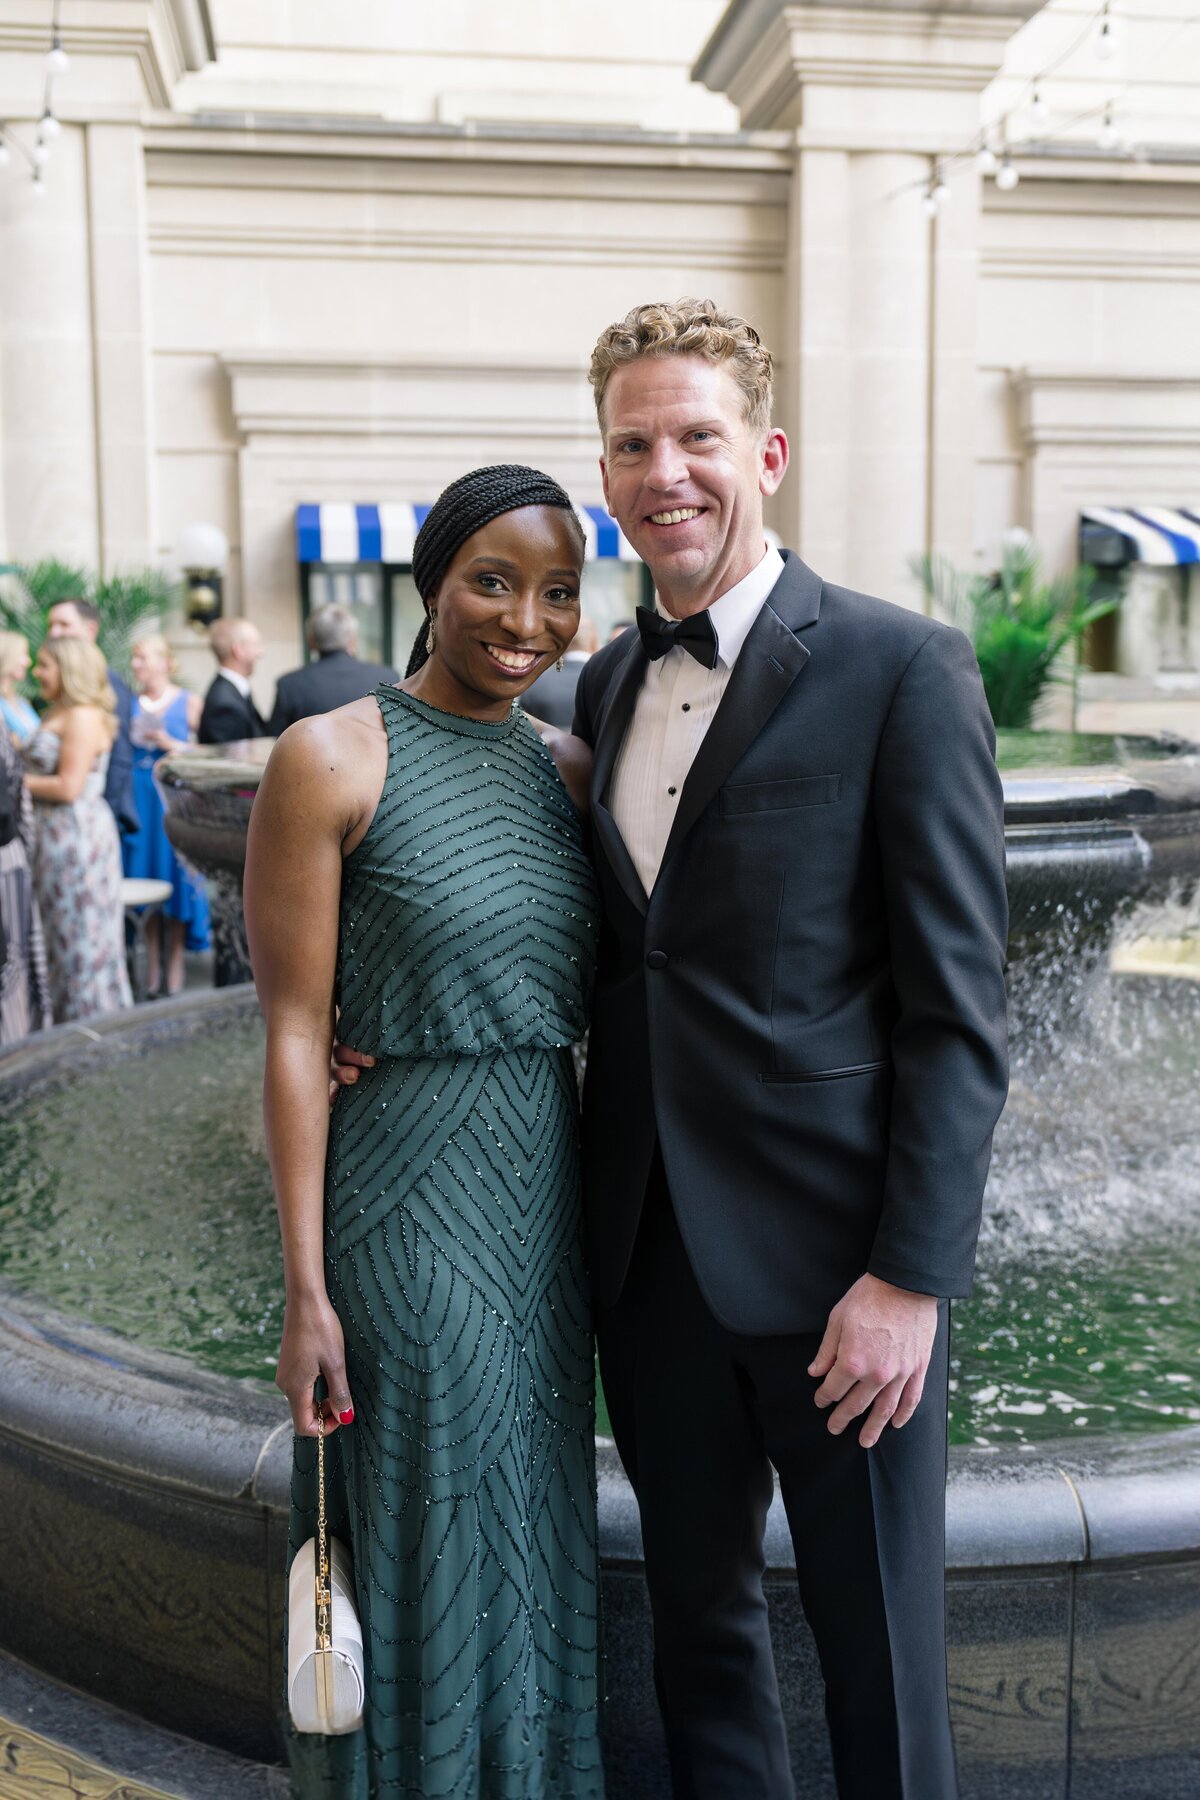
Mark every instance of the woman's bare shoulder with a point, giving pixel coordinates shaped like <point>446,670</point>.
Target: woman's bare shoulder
<point>332,763</point>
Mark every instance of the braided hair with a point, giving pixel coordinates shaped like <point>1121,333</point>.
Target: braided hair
<point>464,508</point>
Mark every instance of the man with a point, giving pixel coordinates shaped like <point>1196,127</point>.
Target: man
<point>552,696</point>
<point>337,676</point>
<point>229,711</point>
<point>796,1062</point>
<point>78,618</point>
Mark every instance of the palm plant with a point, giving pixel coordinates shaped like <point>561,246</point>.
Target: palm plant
<point>126,603</point>
<point>1019,623</point>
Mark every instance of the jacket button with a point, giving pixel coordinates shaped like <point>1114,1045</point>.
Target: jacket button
<point>657,959</point>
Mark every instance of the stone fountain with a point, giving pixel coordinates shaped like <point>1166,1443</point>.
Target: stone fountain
<point>144,1455</point>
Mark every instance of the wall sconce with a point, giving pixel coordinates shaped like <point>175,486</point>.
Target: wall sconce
<point>203,554</point>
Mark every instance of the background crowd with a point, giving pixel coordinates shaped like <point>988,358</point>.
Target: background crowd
<point>81,813</point>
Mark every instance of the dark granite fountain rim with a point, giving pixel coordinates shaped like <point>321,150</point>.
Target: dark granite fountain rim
<point>1057,793</point>
<point>111,1403</point>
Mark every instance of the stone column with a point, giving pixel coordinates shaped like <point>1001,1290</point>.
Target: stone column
<point>877,375</point>
<point>46,375</point>
<point>121,345</point>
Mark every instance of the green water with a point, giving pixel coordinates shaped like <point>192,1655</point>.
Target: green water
<point>138,1198</point>
<point>1075,750</point>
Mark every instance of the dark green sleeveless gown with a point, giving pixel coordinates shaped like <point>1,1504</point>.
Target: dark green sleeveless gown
<point>466,1486</point>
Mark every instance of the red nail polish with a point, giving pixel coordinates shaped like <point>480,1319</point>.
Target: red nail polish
<point>346,1418</point>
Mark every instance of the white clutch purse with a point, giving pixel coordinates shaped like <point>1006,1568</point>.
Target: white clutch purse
<point>325,1650</point>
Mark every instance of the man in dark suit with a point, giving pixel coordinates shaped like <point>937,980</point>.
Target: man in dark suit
<point>229,713</point>
<point>334,679</point>
<point>552,696</point>
<point>79,618</point>
<point>796,1062</point>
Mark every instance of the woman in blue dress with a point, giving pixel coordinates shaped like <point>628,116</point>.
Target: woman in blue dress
<point>20,720</point>
<point>165,718</point>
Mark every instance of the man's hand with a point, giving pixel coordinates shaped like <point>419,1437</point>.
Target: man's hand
<point>344,1065</point>
<point>874,1354</point>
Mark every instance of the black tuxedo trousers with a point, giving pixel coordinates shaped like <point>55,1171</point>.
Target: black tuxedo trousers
<point>796,1063</point>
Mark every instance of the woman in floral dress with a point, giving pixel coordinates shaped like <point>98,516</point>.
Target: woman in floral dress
<point>77,852</point>
<point>24,996</point>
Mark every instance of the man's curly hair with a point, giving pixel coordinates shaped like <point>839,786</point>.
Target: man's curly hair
<point>688,328</point>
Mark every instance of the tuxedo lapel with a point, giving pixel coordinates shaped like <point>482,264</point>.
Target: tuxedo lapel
<point>612,724</point>
<point>770,660</point>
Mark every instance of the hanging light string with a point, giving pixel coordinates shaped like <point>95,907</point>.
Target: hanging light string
<point>48,126</point>
<point>999,162</point>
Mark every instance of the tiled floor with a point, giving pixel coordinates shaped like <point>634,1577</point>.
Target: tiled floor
<point>57,1744</point>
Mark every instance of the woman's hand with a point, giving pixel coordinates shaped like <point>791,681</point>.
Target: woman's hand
<point>313,1346</point>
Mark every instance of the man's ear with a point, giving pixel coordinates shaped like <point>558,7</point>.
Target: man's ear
<point>773,462</point>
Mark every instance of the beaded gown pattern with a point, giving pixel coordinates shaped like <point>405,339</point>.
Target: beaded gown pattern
<point>465,1487</point>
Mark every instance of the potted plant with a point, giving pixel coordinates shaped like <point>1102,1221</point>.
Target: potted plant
<point>1019,622</point>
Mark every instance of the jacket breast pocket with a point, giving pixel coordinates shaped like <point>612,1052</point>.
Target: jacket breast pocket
<point>771,796</point>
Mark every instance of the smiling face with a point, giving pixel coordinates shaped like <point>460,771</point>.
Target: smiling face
<point>47,675</point>
<point>685,476</point>
<point>506,608</point>
<point>149,665</point>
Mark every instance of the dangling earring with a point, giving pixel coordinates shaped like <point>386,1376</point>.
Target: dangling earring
<point>559,665</point>
<point>431,634</point>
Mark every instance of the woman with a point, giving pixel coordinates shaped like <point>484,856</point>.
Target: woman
<point>24,990</point>
<point>416,860</point>
<point>20,720</point>
<point>165,718</point>
<point>77,853</point>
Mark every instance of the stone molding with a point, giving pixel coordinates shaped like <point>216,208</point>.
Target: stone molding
<point>334,140</point>
<point>351,395</point>
<point>1053,262</point>
<point>370,244</point>
<point>166,38</point>
<point>763,53</point>
<point>1119,408</point>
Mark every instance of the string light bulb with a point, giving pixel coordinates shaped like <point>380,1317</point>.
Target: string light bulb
<point>987,162</point>
<point>57,60</point>
<point>40,154</point>
<point>1108,137</point>
<point>1039,112</point>
<point>5,152</point>
<point>48,125</point>
<point>941,191</point>
<point>1106,43</point>
<point>39,186</point>
<point>1006,175</point>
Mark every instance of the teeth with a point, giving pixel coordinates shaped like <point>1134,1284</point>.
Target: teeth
<point>512,659</point>
<point>677,517</point>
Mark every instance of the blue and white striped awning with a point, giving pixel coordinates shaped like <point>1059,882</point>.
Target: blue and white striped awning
<point>337,532</point>
<point>1154,534</point>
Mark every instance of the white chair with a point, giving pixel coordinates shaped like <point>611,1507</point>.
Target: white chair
<point>141,900</point>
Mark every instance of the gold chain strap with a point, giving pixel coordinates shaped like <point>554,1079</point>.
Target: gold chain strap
<point>324,1596</point>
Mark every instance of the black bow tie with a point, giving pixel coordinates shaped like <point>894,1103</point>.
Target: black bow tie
<point>695,635</point>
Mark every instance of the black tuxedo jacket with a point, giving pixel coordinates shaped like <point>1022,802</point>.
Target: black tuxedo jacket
<point>333,680</point>
<point>808,1011</point>
<point>552,695</point>
<point>118,786</point>
<point>228,716</point>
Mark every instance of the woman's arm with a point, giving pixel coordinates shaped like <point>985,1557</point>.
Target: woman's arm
<point>81,737</point>
<point>195,706</point>
<point>301,815</point>
<point>572,758</point>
